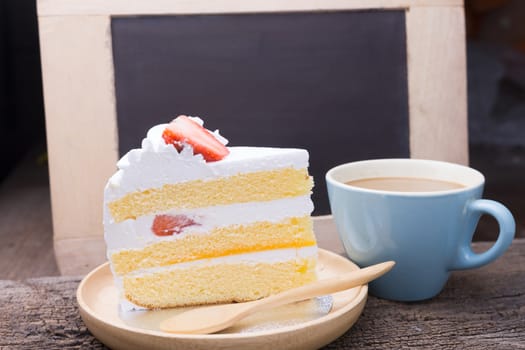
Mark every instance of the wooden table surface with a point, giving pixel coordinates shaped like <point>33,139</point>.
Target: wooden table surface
<point>478,309</point>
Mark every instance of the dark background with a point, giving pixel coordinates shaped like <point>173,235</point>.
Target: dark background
<point>496,83</point>
<point>21,104</point>
<point>270,80</point>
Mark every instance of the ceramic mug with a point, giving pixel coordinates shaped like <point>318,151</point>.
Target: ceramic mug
<point>427,234</point>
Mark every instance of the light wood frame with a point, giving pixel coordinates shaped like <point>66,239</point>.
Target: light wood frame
<point>81,119</point>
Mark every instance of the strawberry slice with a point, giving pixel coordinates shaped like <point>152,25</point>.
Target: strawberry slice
<point>167,225</point>
<point>184,130</point>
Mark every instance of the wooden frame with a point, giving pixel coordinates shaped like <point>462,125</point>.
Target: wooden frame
<point>79,95</point>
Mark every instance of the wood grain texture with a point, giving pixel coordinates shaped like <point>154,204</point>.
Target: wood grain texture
<point>437,83</point>
<point>80,120</point>
<point>42,314</point>
<point>26,245</point>
<point>26,234</point>
<point>138,7</point>
<point>479,309</point>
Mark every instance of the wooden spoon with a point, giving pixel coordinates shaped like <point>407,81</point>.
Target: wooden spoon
<point>210,319</point>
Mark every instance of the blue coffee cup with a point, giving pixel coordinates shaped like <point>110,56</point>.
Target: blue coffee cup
<point>428,234</point>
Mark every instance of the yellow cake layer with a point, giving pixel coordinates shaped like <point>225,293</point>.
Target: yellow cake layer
<point>241,188</point>
<point>222,241</point>
<point>233,282</point>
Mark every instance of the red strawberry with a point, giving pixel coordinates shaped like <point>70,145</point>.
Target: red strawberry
<point>184,130</point>
<point>167,225</point>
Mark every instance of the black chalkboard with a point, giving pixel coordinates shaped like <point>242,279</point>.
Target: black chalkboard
<point>334,83</point>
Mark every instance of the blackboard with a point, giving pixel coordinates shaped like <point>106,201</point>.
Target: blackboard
<point>334,83</point>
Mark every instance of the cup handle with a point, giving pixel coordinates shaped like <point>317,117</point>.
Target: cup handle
<point>466,258</point>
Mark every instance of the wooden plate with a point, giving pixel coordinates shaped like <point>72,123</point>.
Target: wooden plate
<point>98,302</point>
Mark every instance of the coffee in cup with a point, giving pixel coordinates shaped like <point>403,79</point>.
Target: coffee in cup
<point>404,184</point>
<point>421,214</point>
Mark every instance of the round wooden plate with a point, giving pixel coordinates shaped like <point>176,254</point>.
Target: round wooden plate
<point>99,308</point>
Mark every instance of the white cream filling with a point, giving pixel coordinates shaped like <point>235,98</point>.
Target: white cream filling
<point>135,234</point>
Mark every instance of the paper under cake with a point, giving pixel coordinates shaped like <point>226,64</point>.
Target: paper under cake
<point>189,221</point>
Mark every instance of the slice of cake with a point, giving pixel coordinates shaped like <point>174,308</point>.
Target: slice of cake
<point>189,221</point>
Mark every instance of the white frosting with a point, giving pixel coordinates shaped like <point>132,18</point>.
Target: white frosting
<point>158,163</point>
<point>133,234</point>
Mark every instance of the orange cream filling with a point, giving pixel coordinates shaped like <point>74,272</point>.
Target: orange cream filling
<point>294,232</point>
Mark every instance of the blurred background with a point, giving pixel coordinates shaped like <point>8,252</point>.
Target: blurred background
<point>496,102</point>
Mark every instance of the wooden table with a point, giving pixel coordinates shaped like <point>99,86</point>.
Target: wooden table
<point>479,309</point>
